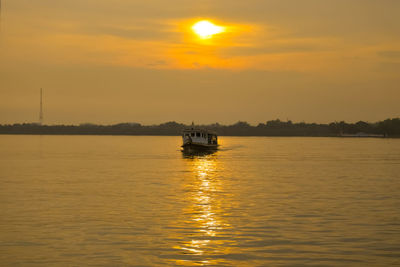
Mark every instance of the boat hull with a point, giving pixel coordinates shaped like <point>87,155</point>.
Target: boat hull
<point>200,147</point>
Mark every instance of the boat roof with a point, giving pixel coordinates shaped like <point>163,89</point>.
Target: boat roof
<point>189,130</point>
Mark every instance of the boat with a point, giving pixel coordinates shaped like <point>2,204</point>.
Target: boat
<point>361,134</point>
<point>199,139</point>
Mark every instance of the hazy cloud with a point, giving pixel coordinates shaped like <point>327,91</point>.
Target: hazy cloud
<point>393,54</point>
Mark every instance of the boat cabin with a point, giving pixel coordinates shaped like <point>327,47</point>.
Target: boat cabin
<point>199,137</point>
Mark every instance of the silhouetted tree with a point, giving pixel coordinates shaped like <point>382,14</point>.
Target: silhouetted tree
<point>390,127</point>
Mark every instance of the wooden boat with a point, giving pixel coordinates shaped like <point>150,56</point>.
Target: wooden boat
<point>199,139</point>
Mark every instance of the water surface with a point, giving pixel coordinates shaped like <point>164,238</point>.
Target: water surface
<point>138,201</point>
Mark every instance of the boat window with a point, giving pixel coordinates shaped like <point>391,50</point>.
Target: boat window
<point>192,134</point>
<point>198,134</point>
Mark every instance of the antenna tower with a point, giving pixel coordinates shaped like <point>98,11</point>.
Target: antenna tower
<point>0,15</point>
<point>41,107</point>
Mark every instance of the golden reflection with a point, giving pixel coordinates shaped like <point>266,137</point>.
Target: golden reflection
<point>206,198</point>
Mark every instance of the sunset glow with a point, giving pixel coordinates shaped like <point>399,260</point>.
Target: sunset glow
<point>199,133</point>
<point>205,29</point>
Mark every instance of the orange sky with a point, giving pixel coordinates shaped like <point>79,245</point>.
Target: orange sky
<point>139,61</point>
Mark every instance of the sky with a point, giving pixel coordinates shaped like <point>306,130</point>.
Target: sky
<point>118,61</point>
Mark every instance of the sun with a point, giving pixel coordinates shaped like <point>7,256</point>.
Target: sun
<point>205,29</point>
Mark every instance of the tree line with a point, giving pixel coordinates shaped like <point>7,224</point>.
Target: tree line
<point>388,127</point>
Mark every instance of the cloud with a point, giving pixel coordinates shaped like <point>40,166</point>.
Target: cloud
<point>142,30</point>
<point>283,46</point>
<point>392,54</point>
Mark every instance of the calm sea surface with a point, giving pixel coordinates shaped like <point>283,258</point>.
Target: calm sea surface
<point>138,201</point>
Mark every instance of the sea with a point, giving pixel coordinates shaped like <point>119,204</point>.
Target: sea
<point>141,201</point>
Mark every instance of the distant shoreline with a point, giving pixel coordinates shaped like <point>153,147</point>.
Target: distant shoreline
<point>176,135</point>
<point>387,128</point>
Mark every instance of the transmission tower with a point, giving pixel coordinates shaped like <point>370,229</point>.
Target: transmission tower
<point>41,106</point>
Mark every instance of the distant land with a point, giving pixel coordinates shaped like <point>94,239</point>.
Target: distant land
<point>387,128</point>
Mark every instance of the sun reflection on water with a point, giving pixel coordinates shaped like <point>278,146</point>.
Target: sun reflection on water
<point>208,227</point>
